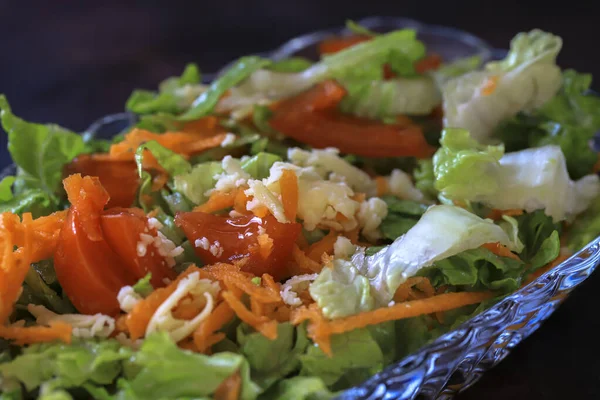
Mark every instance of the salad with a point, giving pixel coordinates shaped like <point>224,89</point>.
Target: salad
<point>292,228</point>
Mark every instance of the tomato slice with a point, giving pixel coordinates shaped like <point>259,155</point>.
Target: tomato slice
<point>122,228</point>
<point>119,177</point>
<point>311,119</point>
<point>238,238</point>
<point>335,44</point>
<point>90,273</point>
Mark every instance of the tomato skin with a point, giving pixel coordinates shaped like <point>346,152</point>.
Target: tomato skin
<point>238,239</point>
<point>122,228</point>
<point>119,177</point>
<point>90,273</point>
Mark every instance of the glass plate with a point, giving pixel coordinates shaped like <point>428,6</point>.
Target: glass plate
<point>456,360</point>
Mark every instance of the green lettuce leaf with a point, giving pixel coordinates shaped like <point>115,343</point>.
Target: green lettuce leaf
<point>163,371</point>
<point>462,166</point>
<point>36,201</point>
<point>41,287</point>
<point>402,215</point>
<point>379,99</point>
<point>585,228</point>
<point>143,287</point>
<point>454,69</point>
<point>172,162</point>
<point>291,65</point>
<point>354,352</point>
<point>6,188</point>
<point>62,366</point>
<point>540,235</point>
<point>40,151</point>
<point>365,282</point>
<point>242,69</point>
<point>271,360</point>
<point>530,179</point>
<point>174,95</point>
<point>198,181</point>
<point>258,165</point>
<point>299,388</point>
<point>425,178</point>
<point>525,80</point>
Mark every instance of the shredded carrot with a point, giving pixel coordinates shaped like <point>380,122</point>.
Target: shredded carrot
<point>360,197</point>
<point>88,198</point>
<point>244,282</point>
<point>45,230</point>
<point>382,185</point>
<point>265,244</point>
<point>138,319</point>
<point>159,181</point>
<point>240,201</point>
<point>301,242</point>
<point>490,85</point>
<point>500,250</point>
<point>496,214</point>
<point>353,235</point>
<point>304,261</point>
<point>187,344</point>
<point>217,201</point>
<point>22,335</point>
<point>341,217</point>
<point>403,292</point>
<point>262,324</point>
<point>289,193</point>
<point>204,336</point>
<point>323,246</point>
<point>256,307</point>
<point>428,63</point>
<point>261,211</point>
<point>320,329</point>
<point>230,388</point>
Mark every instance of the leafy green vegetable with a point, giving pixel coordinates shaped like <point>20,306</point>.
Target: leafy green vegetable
<point>358,29</point>
<point>172,162</point>
<point>35,201</point>
<point>402,215</point>
<point>477,269</point>
<point>354,351</point>
<point>40,285</point>
<point>40,151</point>
<point>379,99</point>
<point>454,69</point>
<point>175,94</point>
<point>271,360</point>
<point>291,65</point>
<point>143,287</point>
<point>260,117</point>
<point>5,188</point>
<point>462,166</point>
<point>425,178</point>
<point>162,370</point>
<point>200,179</point>
<point>62,366</point>
<point>241,70</point>
<point>526,79</point>
<point>537,232</point>
<point>258,165</point>
<point>299,388</point>
<point>585,228</point>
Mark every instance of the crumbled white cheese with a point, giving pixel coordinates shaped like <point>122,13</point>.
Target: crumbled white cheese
<point>202,292</point>
<point>291,288</point>
<point>372,212</point>
<point>343,247</point>
<point>330,165</point>
<point>228,140</point>
<point>400,185</point>
<point>153,223</point>
<point>232,177</point>
<point>262,196</point>
<point>216,249</point>
<point>128,298</point>
<point>84,326</point>
<point>202,243</point>
<point>161,243</point>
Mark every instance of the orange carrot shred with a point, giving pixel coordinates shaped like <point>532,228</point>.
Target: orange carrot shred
<point>204,336</point>
<point>217,201</point>
<point>88,198</point>
<point>261,211</point>
<point>289,193</point>
<point>382,186</point>
<point>304,261</point>
<point>230,388</point>
<point>500,250</point>
<point>22,335</point>
<point>265,326</point>
<point>265,244</point>
<point>325,245</point>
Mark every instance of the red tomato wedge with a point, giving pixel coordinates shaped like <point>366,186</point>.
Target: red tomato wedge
<point>90,273</point>
<point>119,177</point>
<point>238,238</point>
<point>97,250</point>
<point>122,228</point>
<point>312,118</point>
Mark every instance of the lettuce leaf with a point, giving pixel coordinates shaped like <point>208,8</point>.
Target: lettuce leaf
<point>530,179</point>
<point>454,69</point>
<point>174,95</point>
<point>160,370</point>
<point>271,360</point>
<point>62,366</point>
<point>378,99</point>
<point>353,352</point>
<point>40,151</point>
<point>366,282</point>
<point>200,179</point>
<point>291,65</point>
<point>299,388</point>
<point>238,72</point>
<point>6,188</point>
<point>402,215</point>
<point>143,287</point>
<point>525,80</point>
<point>258,165</point>
<point>425,178</point>
<point>36,201</point>
<point>172,162</point>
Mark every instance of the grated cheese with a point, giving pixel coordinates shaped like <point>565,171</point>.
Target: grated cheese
<point>84,326</point>
<point>228,140</point>
<point>401,185</point>
<point>202,243</point>
<point>289,290</point>
<point>232,177</point>
<point>343,247</point>
<point>370,215</point>
<point>128,298</point>
<point>216,249</point>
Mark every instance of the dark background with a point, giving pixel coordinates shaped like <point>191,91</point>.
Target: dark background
<point>76,61</point>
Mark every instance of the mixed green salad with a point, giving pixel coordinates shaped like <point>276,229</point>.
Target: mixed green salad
<point>292,228</point>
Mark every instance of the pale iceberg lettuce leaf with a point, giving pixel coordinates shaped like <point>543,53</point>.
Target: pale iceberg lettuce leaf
<point>383,99</point>
<point>531,179</point>
<point>462,166</point>
<point>264,85</point>
<point>367,282</point>
<point>525,80</point>
<point>198,181</point>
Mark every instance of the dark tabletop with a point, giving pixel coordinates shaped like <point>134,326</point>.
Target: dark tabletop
<point>73,63</point>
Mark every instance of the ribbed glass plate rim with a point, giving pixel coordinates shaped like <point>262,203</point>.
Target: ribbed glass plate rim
<point>457,359</point>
